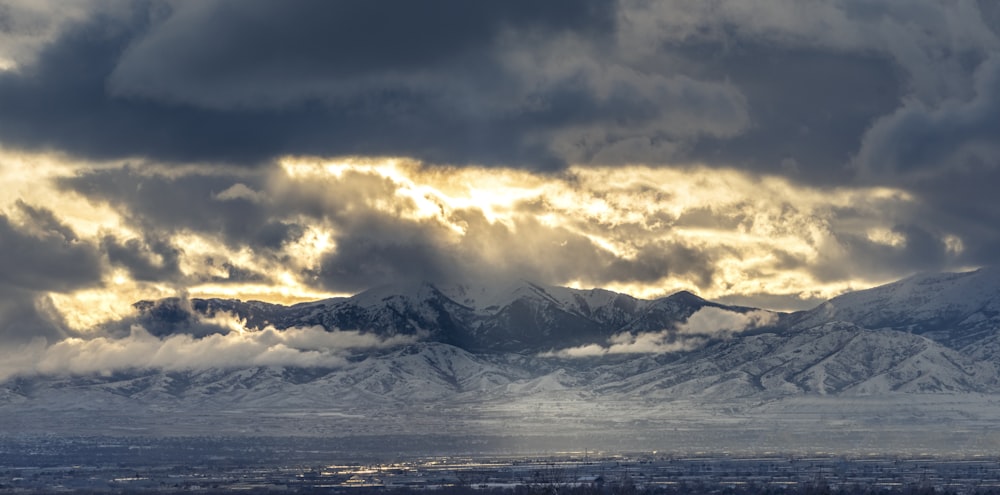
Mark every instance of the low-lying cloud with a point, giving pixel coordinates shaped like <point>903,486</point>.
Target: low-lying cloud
<point>705,324</point>
<point>294,347</point>
<point>721,323</point>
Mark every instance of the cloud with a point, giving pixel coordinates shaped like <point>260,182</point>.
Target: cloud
<point>42,254</point>
<point>28,25</point>
<point>239,191</point>
<point>518,83</point>
<point>773,150</point>
<point>721,323</point>
<point>921,139</point>
<point>25,315</point>
<point>39,255</point>
<point>338,47</point>
<point>322,227</point>
<point>725,83</point>
<point>147,259</point>
<point>161,203</point>
<point>294,347</point>
<point>341,225</point>
<point>706,324</point>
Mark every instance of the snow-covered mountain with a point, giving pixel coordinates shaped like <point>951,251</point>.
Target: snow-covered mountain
<point>490,347</point>
<point>832,358</point>
<point>959,310</point>
<point>519,317</point>
<point>836,358</point>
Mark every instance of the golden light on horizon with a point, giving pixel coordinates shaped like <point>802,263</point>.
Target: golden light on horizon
<point>745,225</point>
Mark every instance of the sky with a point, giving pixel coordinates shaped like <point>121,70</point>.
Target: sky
<point>772,153</point>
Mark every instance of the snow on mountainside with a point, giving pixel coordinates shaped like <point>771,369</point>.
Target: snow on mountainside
<point>959,310</point>
<point>519,317</point>
<point>834,358</point>
<point>486,347</point>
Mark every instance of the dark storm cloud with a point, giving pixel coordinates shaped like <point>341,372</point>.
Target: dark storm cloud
<point>918,250</point>
<point>236,273</point>
<point>659,260</point>
<point>374,248</point>
<point>948,156</point>
<point>385,250</point>
<point>62,103</point>
<point>146,260</point>
<point>833,95</point>
<point>964,202</point>
<point>42,257</point>
<point>22,320</point>
<point>919,140</point>
<point>522,83</point>
<point>790,91</point>
<point>164,204</point>
<point>361,262</point>
<point>39,257</point>
<point>268,54</point>
<point>809,107</point>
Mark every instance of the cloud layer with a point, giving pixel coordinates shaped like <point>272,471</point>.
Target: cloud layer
<point>314,227</point>
<point>706,324</point>
<point>235,348</point>
<point>766,152</point>
<point>771,85</point>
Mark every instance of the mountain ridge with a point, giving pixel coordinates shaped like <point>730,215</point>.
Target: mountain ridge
<point>483,348</point>
<point>522,317</point>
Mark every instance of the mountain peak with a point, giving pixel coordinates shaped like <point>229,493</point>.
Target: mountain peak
<point>687,297</point>
<point>931,333</point>
<point>957,309</point>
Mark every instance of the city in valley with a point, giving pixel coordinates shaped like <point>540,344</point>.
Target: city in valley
<point>313,465</point>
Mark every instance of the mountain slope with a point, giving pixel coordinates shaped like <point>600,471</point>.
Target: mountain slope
<point>484,348</point>
<point>959,310</point>
<point>521,317</point>
<point>834,358</point>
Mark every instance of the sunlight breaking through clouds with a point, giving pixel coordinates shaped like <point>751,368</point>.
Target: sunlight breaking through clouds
<point>311,228</point>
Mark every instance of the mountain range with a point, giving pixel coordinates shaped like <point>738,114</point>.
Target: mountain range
<point>522,317</point>
<point>518,346</point>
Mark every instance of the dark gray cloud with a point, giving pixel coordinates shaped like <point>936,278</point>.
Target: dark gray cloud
<point>22,320</point>
<point>381,250</point>
<point>161,204</point>
<point>45,220</point>
<point>918,139</point>
<point>38,257</point>
<point>235,273</point>
<point>963,203</point>
<point>267,55</point>
<point>810,108</point>
<point>146,259</point>
<point>831,95</point>
<point>361,262</point>
<point>516,83</point>
<point>44,256</point>
<point>918,250</point>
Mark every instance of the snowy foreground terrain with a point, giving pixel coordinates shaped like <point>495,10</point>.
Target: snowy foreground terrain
<point>910,367</point>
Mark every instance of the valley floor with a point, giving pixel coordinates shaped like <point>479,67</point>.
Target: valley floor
<point>31,464</point>
<point>904,424</point>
